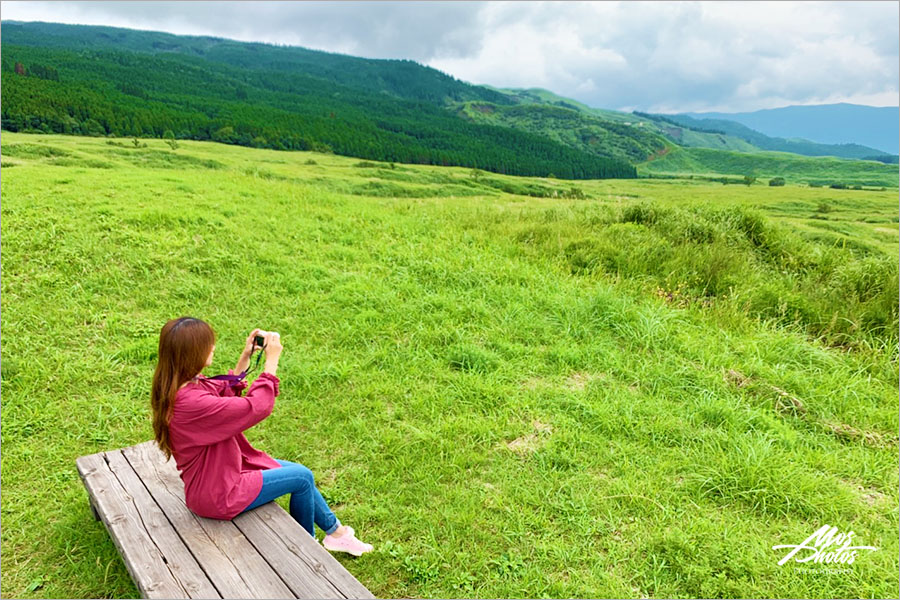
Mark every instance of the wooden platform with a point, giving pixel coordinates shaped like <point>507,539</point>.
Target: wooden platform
<point>172,553</point>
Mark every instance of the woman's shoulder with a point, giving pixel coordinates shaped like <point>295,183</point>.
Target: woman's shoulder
<point>191,387</point>
<point>194,390</point>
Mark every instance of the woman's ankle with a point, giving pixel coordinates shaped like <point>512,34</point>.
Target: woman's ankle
<point>341,530</point>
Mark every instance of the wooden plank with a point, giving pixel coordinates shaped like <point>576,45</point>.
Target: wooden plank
<point>181,562</point>
<point>120,516</point>
<point>293,558</point>
<point>307,567</point>
<point>231,562</point>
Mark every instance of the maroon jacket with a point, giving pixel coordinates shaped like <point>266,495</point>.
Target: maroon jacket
<point>222,472</point>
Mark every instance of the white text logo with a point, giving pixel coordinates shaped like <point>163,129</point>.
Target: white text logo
<point>826,545</point>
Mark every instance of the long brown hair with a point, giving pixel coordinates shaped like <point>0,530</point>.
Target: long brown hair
<point>184,346</point>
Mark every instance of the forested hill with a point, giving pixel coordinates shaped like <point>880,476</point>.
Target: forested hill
<point>101,80</point>
<point>398,78</point>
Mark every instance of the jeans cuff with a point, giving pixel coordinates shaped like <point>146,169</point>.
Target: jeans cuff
<point>331,530</point>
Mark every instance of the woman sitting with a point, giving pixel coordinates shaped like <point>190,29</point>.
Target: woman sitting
<point>200,421</point>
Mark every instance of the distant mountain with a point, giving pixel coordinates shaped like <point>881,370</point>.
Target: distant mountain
<point>764,142</point>
<point>877,127</point>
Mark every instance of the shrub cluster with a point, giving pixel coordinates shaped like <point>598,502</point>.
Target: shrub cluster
<point>710,255</point>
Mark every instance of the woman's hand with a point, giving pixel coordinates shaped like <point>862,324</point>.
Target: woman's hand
<point>273,345</point>
<point>249,347</point>
<point>250,344</point>
<point>273,351</point>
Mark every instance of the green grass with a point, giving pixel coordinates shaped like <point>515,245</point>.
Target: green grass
<point>509,394</point>
<point>793,167</point>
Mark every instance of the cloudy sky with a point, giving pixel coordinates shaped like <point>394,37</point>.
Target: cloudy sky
<point>653,56</point>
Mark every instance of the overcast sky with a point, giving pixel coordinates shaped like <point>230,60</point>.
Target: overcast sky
<point>652,56</point>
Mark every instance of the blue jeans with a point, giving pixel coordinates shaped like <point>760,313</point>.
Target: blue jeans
<point>307,504</point>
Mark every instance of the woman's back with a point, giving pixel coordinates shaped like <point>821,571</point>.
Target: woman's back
<point>222,472</point>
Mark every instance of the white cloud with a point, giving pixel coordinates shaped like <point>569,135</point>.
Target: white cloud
<point>415,30</point>
<point>658,56</point>
<point>688,56</point>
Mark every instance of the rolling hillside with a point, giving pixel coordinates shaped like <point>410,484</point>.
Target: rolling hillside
<point>575,129</point>
<point>674,147</point>
<point>404,79</point>
<point>792,167</point>
<point>75,84</point>
<point>699,133</point>
<point>90,80</point>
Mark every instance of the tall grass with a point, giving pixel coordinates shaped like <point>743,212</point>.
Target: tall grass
<point>734,257</point>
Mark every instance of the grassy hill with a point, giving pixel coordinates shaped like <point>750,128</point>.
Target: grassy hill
<point>571,128</point>
<point>693,138</point>
<point>662,147</point>
<point>512,387</point>
<point>794,168</point>
<point>635,137</point>
<point>542,96</point>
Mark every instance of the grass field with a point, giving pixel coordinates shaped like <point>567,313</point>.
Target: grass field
<point>628,389</point>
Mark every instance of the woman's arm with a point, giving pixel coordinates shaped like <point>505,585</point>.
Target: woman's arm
<point>244,361</point>
<point>207,418</point>
<point>273,352</point>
